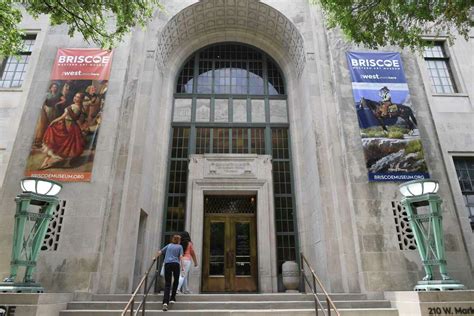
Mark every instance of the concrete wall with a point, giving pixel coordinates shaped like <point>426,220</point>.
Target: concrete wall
<point>345,223</point>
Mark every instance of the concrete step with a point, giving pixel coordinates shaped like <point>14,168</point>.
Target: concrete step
<point>270,312</point>
<point>229,297</point>
<point>27,304</point>
<point>34,298</point>
<point>230,305</point>
<point>273,304</point>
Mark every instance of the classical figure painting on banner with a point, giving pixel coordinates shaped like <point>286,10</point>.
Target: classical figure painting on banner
<point>390,137</point>
<point>65,135</point>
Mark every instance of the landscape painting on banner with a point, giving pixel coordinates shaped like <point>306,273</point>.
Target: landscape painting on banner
<point>390,137</point>
<point>65,135</point>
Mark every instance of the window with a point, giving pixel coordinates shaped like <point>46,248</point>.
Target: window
<point>438,65</point>
<point>231,69</point>
<point>13,69</point>
<point>229,93</point>
<point>178,172</point>
<point>465,171</point>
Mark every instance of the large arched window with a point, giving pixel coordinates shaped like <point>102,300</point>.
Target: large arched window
<point>231,98</point>
<point>230,69</point>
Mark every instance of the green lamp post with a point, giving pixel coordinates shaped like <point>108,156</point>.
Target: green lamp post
<point>34,209</point>
<point>423,206</point>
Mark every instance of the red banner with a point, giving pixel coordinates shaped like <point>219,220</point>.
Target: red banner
<point>66,132</point>
<point>82,64</point>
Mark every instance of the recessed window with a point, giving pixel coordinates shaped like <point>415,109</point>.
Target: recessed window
<point>13,68</point>
<point>465,171</point>
<point>439,68</point>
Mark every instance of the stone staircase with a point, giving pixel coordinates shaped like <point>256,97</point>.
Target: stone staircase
<point>280,304</point>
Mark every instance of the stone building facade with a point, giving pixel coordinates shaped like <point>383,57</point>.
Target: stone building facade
<point>299,166</point>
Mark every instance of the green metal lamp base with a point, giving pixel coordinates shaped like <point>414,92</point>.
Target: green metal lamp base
<point>10,287</point>
<point>439,285</point>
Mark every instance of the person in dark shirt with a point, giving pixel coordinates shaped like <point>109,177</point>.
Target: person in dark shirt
<point>173,256</point>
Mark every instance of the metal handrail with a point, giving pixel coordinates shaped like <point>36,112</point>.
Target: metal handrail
<point>317,302</point>
<point>146,290</point>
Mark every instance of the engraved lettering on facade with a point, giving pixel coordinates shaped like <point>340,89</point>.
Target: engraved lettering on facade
<point>230,168</point>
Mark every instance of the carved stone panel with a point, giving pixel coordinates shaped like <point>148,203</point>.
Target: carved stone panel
<point>258,111</point>
<point>278,113</point>
<point>239,108</point>
<point>221,110</point>
<point>182,110</point>
<point>230,168</point>
<point>203,110</point>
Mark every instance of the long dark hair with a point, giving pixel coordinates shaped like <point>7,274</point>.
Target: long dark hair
<point>185,240</point>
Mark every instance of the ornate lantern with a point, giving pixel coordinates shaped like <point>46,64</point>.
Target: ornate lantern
<point>34,209</point>
<point>423,206</point>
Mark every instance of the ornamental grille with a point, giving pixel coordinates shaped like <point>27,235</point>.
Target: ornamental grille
<point>406,239</point>
<point>220,204</point>
<point>51,239</point>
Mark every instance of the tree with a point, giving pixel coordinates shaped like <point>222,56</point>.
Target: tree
<point>376,23</point>
<point>102,22</point>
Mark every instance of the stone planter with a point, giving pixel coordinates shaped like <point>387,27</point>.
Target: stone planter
<point>291,276</point>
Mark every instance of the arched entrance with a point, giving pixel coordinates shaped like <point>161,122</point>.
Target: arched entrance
<point>231,105</point>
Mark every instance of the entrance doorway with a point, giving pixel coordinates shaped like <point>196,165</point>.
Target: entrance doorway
<point>230,244</point>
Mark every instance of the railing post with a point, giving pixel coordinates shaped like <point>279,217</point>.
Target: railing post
<point>315,292</point>
<point>329,306</point>
<point>145,294</point>
<point>157,287</point>
<point>302,284</point>
<point>131,307</point>
<point>316,305</point>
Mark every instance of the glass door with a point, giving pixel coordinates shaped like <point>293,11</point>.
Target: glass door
<point>230,253</point>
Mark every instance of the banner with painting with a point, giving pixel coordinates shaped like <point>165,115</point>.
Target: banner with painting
<point>66,133</point>
<point>390,137</point>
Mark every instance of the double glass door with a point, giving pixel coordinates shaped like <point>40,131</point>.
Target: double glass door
<point>230,253</point>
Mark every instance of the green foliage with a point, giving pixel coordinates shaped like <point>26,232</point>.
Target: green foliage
<point>373,132</point>
<point>397,129</point>
<point>414,146</point>
<point>376,23</point>
<point>10,35</point>
<point>395,134</point>
<point>102,22</point>
<point>394,131</point>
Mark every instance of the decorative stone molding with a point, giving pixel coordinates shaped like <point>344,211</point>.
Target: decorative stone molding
<point>249,16</point>
<point>230,168</point>
<point>216,174</point>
